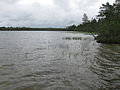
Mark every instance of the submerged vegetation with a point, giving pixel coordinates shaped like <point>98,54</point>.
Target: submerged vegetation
<point>72,38</point>
<point>107,24</point>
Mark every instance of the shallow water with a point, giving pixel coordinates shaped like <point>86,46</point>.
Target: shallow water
<point>48,61</point>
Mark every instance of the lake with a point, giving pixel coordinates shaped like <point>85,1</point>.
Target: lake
<point>49,60</point>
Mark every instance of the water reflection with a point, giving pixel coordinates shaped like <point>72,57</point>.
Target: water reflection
<point>106,65</point>
<point>46,61</point>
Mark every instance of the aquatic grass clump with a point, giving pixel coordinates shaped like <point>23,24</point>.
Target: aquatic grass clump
<point>76,38</point>
<point>68,38</point>
<point>72,38</point>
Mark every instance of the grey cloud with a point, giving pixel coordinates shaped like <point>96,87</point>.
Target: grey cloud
<point>9,1</point>
<point>61,14</point>
<point>65,4</point>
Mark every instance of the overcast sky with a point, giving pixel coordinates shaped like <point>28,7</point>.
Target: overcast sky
<point>47,13</point>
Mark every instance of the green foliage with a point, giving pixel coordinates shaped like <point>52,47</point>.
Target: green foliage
<point>72,28</point>
<point>85,18</point>
<point>90,26</point>
<point>107,25</point>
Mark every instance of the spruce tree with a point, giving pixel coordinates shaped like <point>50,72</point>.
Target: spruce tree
<point>85,18</point>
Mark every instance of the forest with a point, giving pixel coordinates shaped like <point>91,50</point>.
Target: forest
<point>106,25</point>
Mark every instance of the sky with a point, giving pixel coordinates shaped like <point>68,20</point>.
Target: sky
<point>47,13</point>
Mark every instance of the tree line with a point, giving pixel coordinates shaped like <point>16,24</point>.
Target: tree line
<point>31,29</point>
<point>107,24</point>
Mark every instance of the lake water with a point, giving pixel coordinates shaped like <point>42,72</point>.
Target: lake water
<point>49,61</point>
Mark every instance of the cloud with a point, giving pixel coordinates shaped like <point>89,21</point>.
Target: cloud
<point>46,13</point>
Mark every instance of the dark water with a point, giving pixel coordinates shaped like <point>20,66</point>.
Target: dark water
<point>48,61</point>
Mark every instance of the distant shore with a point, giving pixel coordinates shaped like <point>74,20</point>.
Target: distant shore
<point>32,29</point>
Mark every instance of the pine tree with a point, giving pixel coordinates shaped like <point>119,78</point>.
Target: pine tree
<point>85,18</point>
<point>117,1</point>
<point>106,11</point>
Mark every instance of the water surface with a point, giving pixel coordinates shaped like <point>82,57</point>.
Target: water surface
<point>48,61</point>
